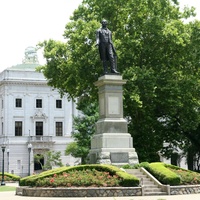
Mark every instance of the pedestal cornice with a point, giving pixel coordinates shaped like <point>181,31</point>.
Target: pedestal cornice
<point>110,80</point>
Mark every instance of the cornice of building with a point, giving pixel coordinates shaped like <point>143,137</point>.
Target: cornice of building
<point>23,82</point>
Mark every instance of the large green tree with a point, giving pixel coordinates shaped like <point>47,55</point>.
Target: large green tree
<point>158,54</point>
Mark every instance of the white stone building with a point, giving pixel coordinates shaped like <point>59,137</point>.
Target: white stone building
<point>32,113</point>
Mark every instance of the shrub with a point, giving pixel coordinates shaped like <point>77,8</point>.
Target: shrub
<point>9,177</point>
<point>187,177</point>
<point>124,178</point>
<point>82,178</point>
<point>136,166</point>
<point>163,174</point>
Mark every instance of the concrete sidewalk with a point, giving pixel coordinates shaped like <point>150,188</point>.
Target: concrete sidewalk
<point>12,196</point>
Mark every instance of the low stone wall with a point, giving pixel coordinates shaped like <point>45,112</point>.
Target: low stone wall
<point>79,192</point>
<point>188,189</point>
<point>99,192</point>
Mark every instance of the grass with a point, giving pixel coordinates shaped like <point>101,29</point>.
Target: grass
<point>7,188</point>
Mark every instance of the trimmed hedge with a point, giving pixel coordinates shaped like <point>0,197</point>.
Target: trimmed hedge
<point>11,177</point>
<point>127,179</point>
<point>163,174</point>
<point>176,167</point>
<point>136,166</point>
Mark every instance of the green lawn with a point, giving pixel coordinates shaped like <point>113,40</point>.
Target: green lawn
<point>7,188</point>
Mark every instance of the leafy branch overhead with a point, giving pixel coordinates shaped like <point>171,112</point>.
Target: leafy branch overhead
<point>158,54</point>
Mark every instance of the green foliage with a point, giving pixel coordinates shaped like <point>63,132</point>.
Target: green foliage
<point>124,178</point>
<point>52,158</point>
<point>9,177</point>
<point>84,128</point>
<point>167,174</point>
<point>187,177</point>
<point>136,166</point>
<point>158,54</point>
<point>163,174</point>
<point>81,178</point>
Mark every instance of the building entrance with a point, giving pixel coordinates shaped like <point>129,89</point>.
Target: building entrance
<point>38,162</point>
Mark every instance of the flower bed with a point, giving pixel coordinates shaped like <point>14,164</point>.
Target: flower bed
<point>88,177</point>
<point>82,175</point>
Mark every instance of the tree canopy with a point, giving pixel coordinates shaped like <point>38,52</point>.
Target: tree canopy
<point>158,54</point>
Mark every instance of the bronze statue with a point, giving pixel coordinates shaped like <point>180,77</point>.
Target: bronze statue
<point>106,48</point>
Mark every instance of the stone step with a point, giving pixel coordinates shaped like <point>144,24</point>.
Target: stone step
<point>145,182</point>
<point>140,175</point>
<point>155,193</point>
<point>150,188</point>
<point>133,171</point>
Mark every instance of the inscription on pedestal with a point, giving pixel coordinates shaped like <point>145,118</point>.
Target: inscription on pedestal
<point>113,105</point>
<point>119,157</point>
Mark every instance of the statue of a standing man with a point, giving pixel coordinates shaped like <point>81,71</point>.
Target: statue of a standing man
<point>106,48</point>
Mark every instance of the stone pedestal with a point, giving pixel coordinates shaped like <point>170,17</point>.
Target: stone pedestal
<point>111,143</point>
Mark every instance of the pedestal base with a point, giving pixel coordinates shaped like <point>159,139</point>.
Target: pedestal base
<point>113,148</point>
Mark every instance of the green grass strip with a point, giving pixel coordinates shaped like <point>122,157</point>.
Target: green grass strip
<point>7,188</point>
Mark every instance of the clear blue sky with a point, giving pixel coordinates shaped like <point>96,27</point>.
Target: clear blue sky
<point>26,22</point>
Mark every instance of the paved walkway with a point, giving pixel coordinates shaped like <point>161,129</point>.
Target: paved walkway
<point>12,196</point>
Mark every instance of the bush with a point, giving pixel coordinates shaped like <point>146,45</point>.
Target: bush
<point>163,174</point>
<point>187,177</point>
<point>82,178</point>
<point>136,166</point>
<point>125,179</point>
<point>9,177</point>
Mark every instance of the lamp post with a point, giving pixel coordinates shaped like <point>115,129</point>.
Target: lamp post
<point>8,162</point>
<point>3,147</point>
<point>29,158</point>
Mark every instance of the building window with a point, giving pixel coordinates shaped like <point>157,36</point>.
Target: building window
<point>39,128</point>
<point>18,103</point>
<point>18,128</point>
<point>58,103</point>
<point>18,164</point>
<point>59,129</point>
<point>38,103</point>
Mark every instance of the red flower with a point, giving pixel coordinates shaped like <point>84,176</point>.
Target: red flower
<point>51,180</point>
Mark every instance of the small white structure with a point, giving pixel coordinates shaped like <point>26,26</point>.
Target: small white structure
<point>32,113</point>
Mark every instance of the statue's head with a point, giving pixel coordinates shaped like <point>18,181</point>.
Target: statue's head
<point>104,22</point>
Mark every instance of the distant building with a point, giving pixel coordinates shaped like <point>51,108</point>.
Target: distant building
<point>177,158</point>
<point>32,115</point>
